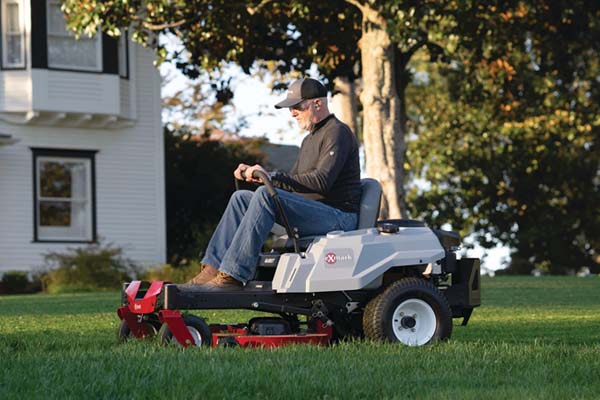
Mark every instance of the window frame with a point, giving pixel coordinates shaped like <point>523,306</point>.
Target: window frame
<point>97,39</point>
<point>21,33</point>
<point>124,45</point>
<point>64,155</point>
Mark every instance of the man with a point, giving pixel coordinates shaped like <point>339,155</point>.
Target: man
<point>320,194</point>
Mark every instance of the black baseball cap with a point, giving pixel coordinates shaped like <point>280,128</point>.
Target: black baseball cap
<point>303,89</point>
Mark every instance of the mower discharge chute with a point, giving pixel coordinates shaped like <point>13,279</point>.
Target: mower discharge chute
<point>392,280</point>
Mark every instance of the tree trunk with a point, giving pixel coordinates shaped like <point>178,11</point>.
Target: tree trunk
<point>344,102</point>
<point>382,128</point>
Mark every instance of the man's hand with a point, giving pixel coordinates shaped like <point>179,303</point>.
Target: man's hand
<point>238,171</point>
<point>248,172</point>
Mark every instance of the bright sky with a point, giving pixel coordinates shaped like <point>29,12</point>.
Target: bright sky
<point>253,101</point>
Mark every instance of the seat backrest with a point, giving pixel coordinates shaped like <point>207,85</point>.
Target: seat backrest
<point>370,199</point>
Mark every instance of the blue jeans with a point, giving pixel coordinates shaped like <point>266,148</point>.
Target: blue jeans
<point>249,217</point>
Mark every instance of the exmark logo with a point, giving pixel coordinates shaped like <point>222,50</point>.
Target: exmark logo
<point>137,306</point>
<point>343,257</point>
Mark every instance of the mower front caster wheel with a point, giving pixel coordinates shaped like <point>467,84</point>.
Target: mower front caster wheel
<point>196,326</point>
<point>124,333</point>
<point>411,311</point>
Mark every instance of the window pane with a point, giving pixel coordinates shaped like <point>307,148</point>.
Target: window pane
<point>55,179</point>
<point>64,220</point>
<point>12,38</point>
<point>12,18</point>
<point>66,51</point>
<point>13,47</point>
<point>56,19</point>
<point>55,213</point>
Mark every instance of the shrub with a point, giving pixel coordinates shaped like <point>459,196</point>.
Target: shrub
<point>169,273</point>
<point>93,267</point>
<point>16,282</point>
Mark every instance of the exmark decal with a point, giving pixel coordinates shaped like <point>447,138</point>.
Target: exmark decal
<point>339,258</point>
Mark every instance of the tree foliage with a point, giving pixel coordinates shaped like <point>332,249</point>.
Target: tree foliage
<point>506,118</point>
<point>514,154</point>
<point>199,182</point>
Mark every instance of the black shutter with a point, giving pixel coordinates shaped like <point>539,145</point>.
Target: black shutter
<point>110,55</point>
<point>39,37</point>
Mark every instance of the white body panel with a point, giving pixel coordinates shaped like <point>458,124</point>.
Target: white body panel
<point>353,260</point>
<point>130,194</point>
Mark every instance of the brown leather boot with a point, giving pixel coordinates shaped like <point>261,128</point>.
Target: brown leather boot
<point>223,282</point>
<point>206,275</point>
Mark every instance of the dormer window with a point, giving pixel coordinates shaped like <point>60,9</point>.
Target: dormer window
<point>13,39</point>
<point>66,52</point>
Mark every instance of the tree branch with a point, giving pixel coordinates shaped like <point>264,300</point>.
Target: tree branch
<point>253,10</point>
<point>357,4</point>
<point>413,49</point>
<point>160,27</point>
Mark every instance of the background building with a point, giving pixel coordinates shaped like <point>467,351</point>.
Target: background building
<point>81,144</point>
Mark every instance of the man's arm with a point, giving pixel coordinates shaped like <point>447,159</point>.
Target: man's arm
<point>333,155</point>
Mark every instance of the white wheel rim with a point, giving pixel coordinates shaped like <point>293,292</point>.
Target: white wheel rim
<point>195,335</point>
<point>414,322</point>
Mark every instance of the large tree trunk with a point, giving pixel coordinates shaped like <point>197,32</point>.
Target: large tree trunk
<point>344,102</point>
<point>383,127</point>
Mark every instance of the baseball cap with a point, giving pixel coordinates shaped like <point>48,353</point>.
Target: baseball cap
<point>302,89</point>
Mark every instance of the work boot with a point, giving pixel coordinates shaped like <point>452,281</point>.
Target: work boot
<point>205,276</point>
<point>223,282</point>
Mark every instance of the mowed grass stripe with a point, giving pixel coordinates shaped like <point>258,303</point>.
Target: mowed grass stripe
<point>532,338</point>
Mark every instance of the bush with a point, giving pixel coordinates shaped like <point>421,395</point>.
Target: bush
<point>93,267</point>
<point>169,273</point>
<point>18,282</point>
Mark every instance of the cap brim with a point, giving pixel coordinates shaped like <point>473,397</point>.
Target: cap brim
<point>288,103</point>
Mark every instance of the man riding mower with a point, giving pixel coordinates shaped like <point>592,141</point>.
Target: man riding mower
<point>391,280</point>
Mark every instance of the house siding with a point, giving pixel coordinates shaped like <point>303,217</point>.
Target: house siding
<point>15,90</point>
<point>130,204</point>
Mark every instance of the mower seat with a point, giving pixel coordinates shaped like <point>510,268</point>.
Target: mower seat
<point>370,199</point>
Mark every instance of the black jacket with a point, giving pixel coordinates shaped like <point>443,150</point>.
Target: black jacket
<point>327,168</point>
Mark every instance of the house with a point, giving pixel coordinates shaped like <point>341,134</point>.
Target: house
<point>81,144</point>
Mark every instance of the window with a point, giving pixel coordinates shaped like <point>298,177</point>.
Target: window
<point>66,52</point>
<point>123,55</point>
<point>13,42</point>
<point>64,196</point>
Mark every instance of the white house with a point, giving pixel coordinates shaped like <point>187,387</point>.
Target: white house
<point>81,144</point>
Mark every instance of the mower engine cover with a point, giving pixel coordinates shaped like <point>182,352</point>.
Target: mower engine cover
<point>353,260</point>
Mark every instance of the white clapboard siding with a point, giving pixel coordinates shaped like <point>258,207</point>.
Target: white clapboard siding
<point>15,91</point>
<point>130,203</point>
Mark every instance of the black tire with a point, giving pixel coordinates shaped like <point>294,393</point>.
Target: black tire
<point>124,333</point>
<point>197,327</point>
<point>410,311</point>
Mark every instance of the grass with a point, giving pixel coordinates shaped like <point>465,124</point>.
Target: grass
<point>532,338</point>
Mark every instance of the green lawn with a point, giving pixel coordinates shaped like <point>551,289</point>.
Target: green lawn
<point>531,338</point>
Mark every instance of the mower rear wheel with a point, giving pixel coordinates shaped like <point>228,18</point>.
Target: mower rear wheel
<point>411,311</point>
<point>196,326</point>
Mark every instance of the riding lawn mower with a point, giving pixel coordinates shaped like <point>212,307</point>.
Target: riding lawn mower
<point>389,280</point>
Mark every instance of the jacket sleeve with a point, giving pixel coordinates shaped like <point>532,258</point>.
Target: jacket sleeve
<point>333,154</point>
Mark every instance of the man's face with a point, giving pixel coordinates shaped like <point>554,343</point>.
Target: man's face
<point>303,113</point>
